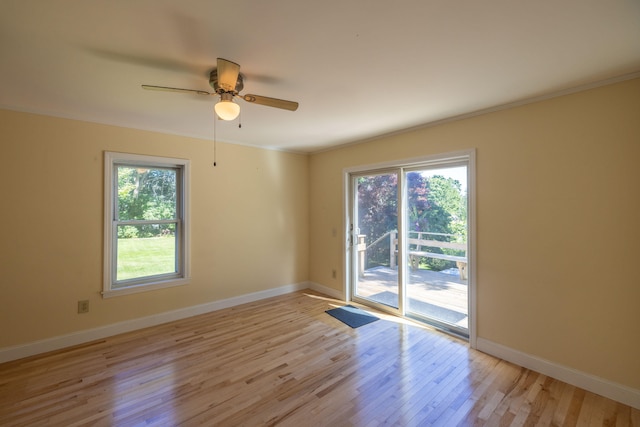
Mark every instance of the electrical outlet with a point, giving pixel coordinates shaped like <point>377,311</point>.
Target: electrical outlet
<point>83,306</point>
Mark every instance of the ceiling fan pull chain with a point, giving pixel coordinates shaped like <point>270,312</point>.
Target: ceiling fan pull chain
<point>215,119</point>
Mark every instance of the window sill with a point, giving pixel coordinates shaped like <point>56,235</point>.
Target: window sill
<point>145,287</point>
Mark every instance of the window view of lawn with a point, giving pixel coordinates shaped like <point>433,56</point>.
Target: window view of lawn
<point>140,257</point>
<point>146,228</point>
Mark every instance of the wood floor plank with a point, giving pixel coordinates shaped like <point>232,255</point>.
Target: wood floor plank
<point>283,361</point>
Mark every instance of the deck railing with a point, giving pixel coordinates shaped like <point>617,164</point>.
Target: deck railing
<point>418,243</point>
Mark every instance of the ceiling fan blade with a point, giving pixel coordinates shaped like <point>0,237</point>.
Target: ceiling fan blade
<point>271,102</point>
<point>176,89</point>
<point>227,74</point>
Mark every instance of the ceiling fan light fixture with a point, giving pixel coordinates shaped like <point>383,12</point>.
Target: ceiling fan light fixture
<point>226,109</point>
<point>227,82</point>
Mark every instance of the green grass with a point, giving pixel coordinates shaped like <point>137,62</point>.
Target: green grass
<point>145,257</point>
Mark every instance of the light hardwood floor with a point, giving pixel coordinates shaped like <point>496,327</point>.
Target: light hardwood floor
<point>283,361</point>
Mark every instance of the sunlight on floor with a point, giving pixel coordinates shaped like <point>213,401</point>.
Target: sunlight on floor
<point>334,303</point>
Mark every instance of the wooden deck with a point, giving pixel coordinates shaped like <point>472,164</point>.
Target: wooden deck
<point>284,361</point>
<point>430,293</point>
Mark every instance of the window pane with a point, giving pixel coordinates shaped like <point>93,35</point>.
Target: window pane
<point>146,193</point>
<point>376,231</point>
<point>436,246</point>
<point>140,255</point>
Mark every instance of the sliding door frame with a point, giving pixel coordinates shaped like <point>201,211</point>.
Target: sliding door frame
<point>436,160</point>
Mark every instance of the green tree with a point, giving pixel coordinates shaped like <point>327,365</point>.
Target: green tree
<point>377,213</point>
<point>145,194</point>
<point>448,194</point>
<point>424,206</point>
<point>435,204</point>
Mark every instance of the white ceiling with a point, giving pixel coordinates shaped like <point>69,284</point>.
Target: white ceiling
<point>358,68</point>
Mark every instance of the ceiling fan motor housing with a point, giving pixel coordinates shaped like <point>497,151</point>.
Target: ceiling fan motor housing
<point>213,82</point>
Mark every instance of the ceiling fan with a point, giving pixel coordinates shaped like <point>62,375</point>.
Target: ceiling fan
<point>227,82</point>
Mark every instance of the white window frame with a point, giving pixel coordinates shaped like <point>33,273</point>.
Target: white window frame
<point>111,160</point>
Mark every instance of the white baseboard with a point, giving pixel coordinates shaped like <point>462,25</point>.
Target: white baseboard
<point>80,337</point>
<point>609,389</point>
<point>618,392</point>
<point>333,293</point>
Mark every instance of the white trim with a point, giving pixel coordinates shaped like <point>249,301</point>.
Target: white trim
<point>111,158</point>
<point>435,159</point>
<point>336,145</point>
<point>609,389</point>
<point>618,392</point>
<point>346,250</point>
<point>333,293</point>
<point>80,337</point>
<point>145,287</point>
<point>483,111</point>
<point>472,278</point>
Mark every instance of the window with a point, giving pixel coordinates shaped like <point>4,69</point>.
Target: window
<point>146,223</point>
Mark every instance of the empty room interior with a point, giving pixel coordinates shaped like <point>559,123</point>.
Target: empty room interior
<point>189,187</point>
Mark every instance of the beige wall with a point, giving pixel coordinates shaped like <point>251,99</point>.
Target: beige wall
<point>558,202</point>
<point>249,224</point>
<point>557,227</point>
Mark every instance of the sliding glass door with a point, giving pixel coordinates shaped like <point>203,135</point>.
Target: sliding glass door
<point>410,241</point>
<point>375,220</point>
